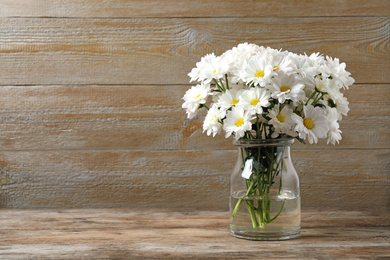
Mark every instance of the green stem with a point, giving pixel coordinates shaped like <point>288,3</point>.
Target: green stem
<point>260,184</point>
<point>224,89</point>
<point>312,95</point>
<point>251,135</point>
<point>204,105</point>
<point>317,99</point>
<point>252,212</point>
<point>238,204</point>
<point>280,170</point>
<point>227,82</point>
<point>257,127</point>
<point>218,86</point>
<point>260,213</point>
<point>280,211</point>
<point>268,206</point>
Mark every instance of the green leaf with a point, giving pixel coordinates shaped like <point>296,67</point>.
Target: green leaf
<point>331,103</point>
<point>300,140</point>
<point>264,183</point>
<point>320,105</point>
<point>257,165</point>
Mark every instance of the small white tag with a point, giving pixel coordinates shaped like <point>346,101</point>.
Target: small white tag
<point>247,172</point>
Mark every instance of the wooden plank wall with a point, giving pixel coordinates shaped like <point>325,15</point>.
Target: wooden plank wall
<point>91,92</point>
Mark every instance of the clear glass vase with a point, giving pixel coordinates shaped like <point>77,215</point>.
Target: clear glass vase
<point>264,191</point>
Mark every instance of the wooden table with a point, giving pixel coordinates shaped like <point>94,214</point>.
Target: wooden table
<point>167,234</point>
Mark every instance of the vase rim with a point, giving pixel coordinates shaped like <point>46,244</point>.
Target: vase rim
<point>256,142</point>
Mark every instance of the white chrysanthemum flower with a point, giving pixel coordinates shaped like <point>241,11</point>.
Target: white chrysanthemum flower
<point>337,71</point>
<point>329,86</point>
<point>335,94</point>
<point>324,84</point>
<point>212,123</point>
<point>280,60</point>
<point>194,74</point>
<point>315,60</point>
<point>341,103</point>
<point>210,67</point>
<point>314,125</point>
<point>194,97</point>
<point>309,85</point>
<point>334,133</point>
<point>237,122</point>
<point>281,121</point>
<point>244,51</point>
<point>286,87</point>
<point>304,68</point>
<point>285,65</point>
<point>254,100</point>
<point>258,71</point>
<point>237,57</point>
<point>230,98</point>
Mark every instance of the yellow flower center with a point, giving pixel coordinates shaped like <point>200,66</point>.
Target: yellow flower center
<point>308,123</point>
<point>197,96</point>
<point>234,102</point>
<point>259,74</point>
<point>281,118</point>
<point>276,67</point>
<point>285,88</point>
<point>240,122</point>
<point>254,101</point>
<point>214,71</point>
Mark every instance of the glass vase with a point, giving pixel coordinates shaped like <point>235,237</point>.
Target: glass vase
<point>264,191</point>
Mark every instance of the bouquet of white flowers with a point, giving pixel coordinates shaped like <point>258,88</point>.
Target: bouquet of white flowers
<point>260,92</point>
<point>263,93</point>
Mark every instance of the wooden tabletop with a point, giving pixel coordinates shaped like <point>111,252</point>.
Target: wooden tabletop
<point>175,234</point>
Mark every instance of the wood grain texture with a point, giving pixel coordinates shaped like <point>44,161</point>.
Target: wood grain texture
<point>163,51</point>
<point>167,234</point>
<point>338,179</point>
<point>90,94</point>
<point>190,8</point>
<point>149,117</point>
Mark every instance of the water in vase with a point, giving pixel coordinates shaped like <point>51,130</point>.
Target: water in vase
<point>276,218</point>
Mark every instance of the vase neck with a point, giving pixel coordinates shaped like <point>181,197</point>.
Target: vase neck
<point>263,142</point>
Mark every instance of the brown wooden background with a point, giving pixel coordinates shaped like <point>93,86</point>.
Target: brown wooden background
<point>91,90</point>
